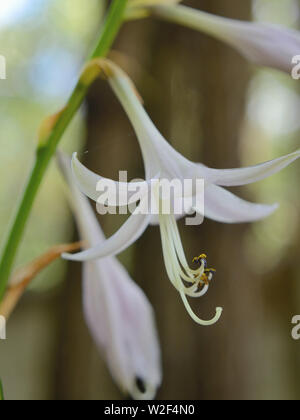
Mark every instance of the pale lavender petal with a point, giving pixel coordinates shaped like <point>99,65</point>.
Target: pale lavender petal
<point>122,193</point>
<point>122,323</point>
<point>264,44</point>
<point>128,233</point>
<point>225,207</point>
<point>244,176</point>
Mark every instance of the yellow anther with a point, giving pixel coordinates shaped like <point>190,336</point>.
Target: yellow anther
<point>204,278</point>
<point>210,270</point>
<point>198,259</point>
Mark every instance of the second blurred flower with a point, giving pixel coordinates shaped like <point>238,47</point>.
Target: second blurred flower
<point>117,312</point>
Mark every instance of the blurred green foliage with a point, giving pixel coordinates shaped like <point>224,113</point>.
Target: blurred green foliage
<point>44,43</point>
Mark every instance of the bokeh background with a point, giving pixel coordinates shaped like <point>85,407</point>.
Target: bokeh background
<point>213,107</point>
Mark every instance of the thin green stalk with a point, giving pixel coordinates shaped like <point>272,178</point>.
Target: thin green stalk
<point>47,148</point>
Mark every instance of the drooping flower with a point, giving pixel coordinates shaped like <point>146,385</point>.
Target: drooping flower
<point>118,314</point>
<point>164,162</point>
<point>262,43</point>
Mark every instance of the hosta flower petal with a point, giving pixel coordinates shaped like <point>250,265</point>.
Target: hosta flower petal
<point>117,312</point>
<point>159,156</point>
<point>91,184</point>
<point>225,207</point>
<point>264,44</point>
<point>122,324</point>
<point>128,233</point>
<point>244,176</point>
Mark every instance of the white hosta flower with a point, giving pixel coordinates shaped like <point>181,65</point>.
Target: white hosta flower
<point>262,43</point>
<point>163,162</point>
<point>117,312</point>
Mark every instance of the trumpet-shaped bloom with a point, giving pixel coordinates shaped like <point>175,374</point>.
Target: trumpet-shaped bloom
<point>264,44</point>
<point>117,312</point>
<point>163,162</point>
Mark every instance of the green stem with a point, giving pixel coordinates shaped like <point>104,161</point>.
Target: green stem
<point>46,151</point>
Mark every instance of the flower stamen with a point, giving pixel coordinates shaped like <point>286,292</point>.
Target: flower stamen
<point>208,274</point>
<point>201,259</point>
<point>180,273</point>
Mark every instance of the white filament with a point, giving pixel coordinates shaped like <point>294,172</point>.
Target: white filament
<point>178,269</point>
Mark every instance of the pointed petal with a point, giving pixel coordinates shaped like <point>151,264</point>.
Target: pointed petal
<point>128,233</point>
<point>225,207</point>
<point>263,44</point>
<point>91,184</point>
<point>244,176</point>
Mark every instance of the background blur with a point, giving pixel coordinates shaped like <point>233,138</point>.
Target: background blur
<point>213,107</point>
